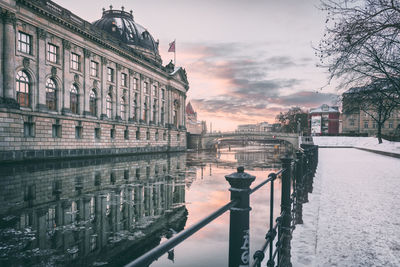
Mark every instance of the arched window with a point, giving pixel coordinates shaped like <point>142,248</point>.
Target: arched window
<point>123,108</point>
<point>109,106</point>
<point>73,99</point>
<point>23,88</point>
<point>51,94</point>
<point>92,102</point>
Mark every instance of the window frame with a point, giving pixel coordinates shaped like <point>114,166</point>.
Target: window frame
<point>22,78</point>
<point>75,61</point>
<point>24,46</point>
<point>52,56</point>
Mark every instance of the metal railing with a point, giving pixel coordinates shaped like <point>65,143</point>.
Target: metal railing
<point>297,179</point>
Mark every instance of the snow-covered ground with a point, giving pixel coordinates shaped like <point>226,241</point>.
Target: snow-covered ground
<point>352,218</point>
<point>360,142</point>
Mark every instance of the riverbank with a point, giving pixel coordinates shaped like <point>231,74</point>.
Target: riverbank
<point>364,143</point>
<point>350,219</point>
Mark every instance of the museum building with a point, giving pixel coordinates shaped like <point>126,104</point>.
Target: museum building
<point>70,88</point>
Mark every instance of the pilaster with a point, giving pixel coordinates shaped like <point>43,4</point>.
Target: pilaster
<point>41,70</point>
<point>9,95</point>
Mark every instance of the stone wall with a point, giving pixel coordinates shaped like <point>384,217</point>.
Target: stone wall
<point>17,142</point>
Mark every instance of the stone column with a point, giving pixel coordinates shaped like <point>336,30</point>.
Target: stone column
<point>85,90</point>
<point>41,71</point>
<point>131,96</point>
<point>103,89</point>
<point>63,96</point>
<point>118,94</point>
<point>9,35</point>
<point>1,53</point>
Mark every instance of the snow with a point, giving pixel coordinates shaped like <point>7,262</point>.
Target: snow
<point>357,142</point>
<point>352,218</point>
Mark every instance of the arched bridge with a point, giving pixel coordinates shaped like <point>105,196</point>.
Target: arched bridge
<point>209,140</point>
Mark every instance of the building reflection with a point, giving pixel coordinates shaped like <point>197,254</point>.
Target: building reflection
<point>90,211</point>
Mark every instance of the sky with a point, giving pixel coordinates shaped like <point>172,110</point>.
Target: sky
<point>246,61</point>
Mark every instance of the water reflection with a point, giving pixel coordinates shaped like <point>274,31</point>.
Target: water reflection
<point>109,211</point>
<point>89,212</point>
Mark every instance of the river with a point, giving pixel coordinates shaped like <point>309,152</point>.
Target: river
<point>109,211</point>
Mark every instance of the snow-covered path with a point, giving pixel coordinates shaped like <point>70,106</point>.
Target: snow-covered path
<point>353,217</point>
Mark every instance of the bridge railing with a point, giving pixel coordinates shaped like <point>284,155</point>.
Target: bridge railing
<point>297,180</point>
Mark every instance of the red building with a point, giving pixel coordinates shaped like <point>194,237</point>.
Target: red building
<point>324,120</point>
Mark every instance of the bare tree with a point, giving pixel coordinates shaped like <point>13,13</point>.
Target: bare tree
<point>362,42</point>
<point>291,120</point>
<point>376,100</point>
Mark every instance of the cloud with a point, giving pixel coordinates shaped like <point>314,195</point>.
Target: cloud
<point>242,83</point>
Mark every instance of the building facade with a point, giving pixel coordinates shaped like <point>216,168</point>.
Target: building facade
<point>324,120</point>
<point>73,88</point>
<point>258,127</point>
<point>192,124</point>
<point>357,121</point>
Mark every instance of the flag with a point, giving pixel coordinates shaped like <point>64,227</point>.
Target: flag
<point>172,47</point>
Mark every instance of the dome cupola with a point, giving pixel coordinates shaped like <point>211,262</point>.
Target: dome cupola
<point>121,25</point>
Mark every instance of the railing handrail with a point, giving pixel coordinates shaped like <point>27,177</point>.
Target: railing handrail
<point>158,251</point>
<point>240,206</point>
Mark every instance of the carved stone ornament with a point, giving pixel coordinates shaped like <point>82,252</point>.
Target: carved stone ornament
<point>25,62</point>
<point>66,44</point>
<point>53,71</point>
<point>86,52</point>
<point>131,72</point>
<point>41,33</point>
<point>76,78</point>
<point>95,83</point>
<point>176,103</point>
<point>118,67</point>
<point>8,17</point>
<point>104,60</point>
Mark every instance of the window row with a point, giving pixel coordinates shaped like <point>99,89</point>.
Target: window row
<point>53,55</point>
<point>23,90</point>
<point>29,131</point>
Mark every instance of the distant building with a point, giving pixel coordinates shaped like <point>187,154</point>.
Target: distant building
<point>194,126</point>
<point>357,121</point>
<point>258,127</point>
<point>324,120</point>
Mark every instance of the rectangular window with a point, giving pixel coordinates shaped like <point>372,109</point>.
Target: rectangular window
<point>56,129</point>
<point>75,61</point>
<point>97,133</point>
<point>124,79</point>
<point>112,133</point>
<point>154,90</point>
<point>390,125</point>
<point>78,131</point>
<point>146,88</point>
<point>24,43</point>
<point>366,124</point>
<point>52,53</point>
<point>110,75</point>
<point>162,94</point>
<point>135,84</point>
<point>137,134</point>
<point>126,133</point>
<point>374,125</point>
<point>29,128</point>
<point>94,68</point>
<point>351,122</point>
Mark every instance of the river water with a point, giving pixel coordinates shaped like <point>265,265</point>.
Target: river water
<point>109,211</point>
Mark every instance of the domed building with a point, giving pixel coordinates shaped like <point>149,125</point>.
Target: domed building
<point>72,88</point>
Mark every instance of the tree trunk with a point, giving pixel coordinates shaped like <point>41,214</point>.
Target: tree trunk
<point>379,135</point>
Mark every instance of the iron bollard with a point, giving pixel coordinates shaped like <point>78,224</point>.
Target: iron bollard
<point>239,234</point>
<point>286,211</point>
<point>299,188</point>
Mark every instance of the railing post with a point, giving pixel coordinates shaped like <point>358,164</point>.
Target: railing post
<point>287,215</point>
<point>239,233</point>
<point>299,188</point>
